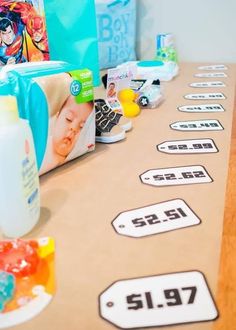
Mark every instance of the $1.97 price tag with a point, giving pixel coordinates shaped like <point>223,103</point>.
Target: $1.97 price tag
<point>202,108</point>
<point>205,96</point>
<point>169,299</point>
<point>176,176</point>
<point>196,146</point>
<point>155,219</point>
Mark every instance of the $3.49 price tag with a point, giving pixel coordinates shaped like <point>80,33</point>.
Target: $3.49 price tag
<point>169,299</point>
<point>202,108</point>
<point>198,125</point>
<point>155,219</point>
<point>213,67</point>
<point>211,75</point>
<point>176,176</point>
<point>196,146</point>
<point>205,96</point>
<point>207,84</point>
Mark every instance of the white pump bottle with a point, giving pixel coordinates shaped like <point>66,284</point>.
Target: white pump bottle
<point>19,181</point>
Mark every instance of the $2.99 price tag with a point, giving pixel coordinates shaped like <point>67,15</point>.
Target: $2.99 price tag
<point>188,146</point>
<point>176,176</point>
<point>197,125</point>
<point>159,300</point>
<point>155,219</point>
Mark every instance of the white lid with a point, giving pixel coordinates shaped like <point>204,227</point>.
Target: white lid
<point>8,110</point>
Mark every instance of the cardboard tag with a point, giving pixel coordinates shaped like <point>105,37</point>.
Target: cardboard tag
<point>211,75</point>
<point>176,298</point>
<point>213,67</point>
<point>207,84</point>
<point>155,219</point>
<point>197,125</point>
<point>195,146</point>
<point>205,96</point>
<point>202,108</point>
<point>173,176</point>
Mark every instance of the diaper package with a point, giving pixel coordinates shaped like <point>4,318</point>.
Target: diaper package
<point>57,99</point>
<point>116,28</point>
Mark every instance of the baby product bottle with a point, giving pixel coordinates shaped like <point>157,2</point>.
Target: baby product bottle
<point>19,182</point>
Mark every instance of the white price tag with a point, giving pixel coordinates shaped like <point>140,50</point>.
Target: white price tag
<point>205,96</point>
<point>213,67</point>
<point>211,75</point>
<point>195,146</point>
<point>202,108</point>
<point>176,298</point>
<point>155,219</point>
<point>206,84</point>
<point>197,125</point>
<point>173,176</point>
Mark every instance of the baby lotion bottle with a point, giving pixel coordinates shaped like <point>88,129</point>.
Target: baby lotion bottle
<point>19,181</point>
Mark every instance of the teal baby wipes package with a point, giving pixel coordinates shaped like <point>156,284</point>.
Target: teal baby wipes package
<point>116,28</point>
<point>57,99</point>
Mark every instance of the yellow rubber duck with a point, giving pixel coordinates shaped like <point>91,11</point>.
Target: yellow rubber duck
<point>126,98</point>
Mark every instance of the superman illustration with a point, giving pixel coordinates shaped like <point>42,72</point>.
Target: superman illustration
<point>18,21</point>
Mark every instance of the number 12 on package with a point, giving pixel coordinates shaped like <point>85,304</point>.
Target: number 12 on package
<point>159,300</point>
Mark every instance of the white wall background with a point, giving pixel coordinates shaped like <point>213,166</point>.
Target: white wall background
<point>204,30</point>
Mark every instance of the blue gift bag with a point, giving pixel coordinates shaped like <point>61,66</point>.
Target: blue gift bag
<point>72,33</point>
<point>116,25</point>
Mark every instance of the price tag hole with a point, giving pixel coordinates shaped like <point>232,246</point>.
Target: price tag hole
<point>121,226</point>
<point>110,304</point>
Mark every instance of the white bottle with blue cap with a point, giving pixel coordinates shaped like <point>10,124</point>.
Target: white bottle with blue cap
<point>19,181</point>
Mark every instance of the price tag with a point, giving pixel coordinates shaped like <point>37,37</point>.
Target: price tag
<point>176,298</point>
<point>173,176</point>
<point>195,146</point>
<point>197,125</point>
<point>202,108</point>
<point>155,219</point>
<point>206,84</point>
<point>205,96</point>
<point>213,67</point>
<point>211,75</point>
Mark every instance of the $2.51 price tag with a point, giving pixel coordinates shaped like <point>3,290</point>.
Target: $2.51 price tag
<point>169,299</point>
<point>155,219</point>
<point>176,176</point>
<point>202,108</point>
<point>197,125</point>
<point>195,146</point>
<point>205,96</point>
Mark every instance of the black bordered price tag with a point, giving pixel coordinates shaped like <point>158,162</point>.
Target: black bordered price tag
<point>207,84</point>
<point>211,75</point>
<point>197,125</point>
<point>213,67</point>
<point>194,146</point>
<point>155,219</point>
<point>202,108</point>
<point>173,176</point>
<point>205,96</point>
<point>168,299</point>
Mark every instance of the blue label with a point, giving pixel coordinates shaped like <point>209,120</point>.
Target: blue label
<point>75,87</point>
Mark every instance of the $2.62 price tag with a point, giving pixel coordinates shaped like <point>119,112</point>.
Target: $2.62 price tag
<point>176,176</point>
<point>159,300</point>
<point>195,146</point>
<point>202,108</point>
<point>198,125</point>
<point>205,96</point>
<point>155,219</point>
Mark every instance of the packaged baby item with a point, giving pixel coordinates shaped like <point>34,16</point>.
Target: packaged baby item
<point>57,99</point>
<point>19,188</point>
<point>166,50</point>
<point>116,26</point>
